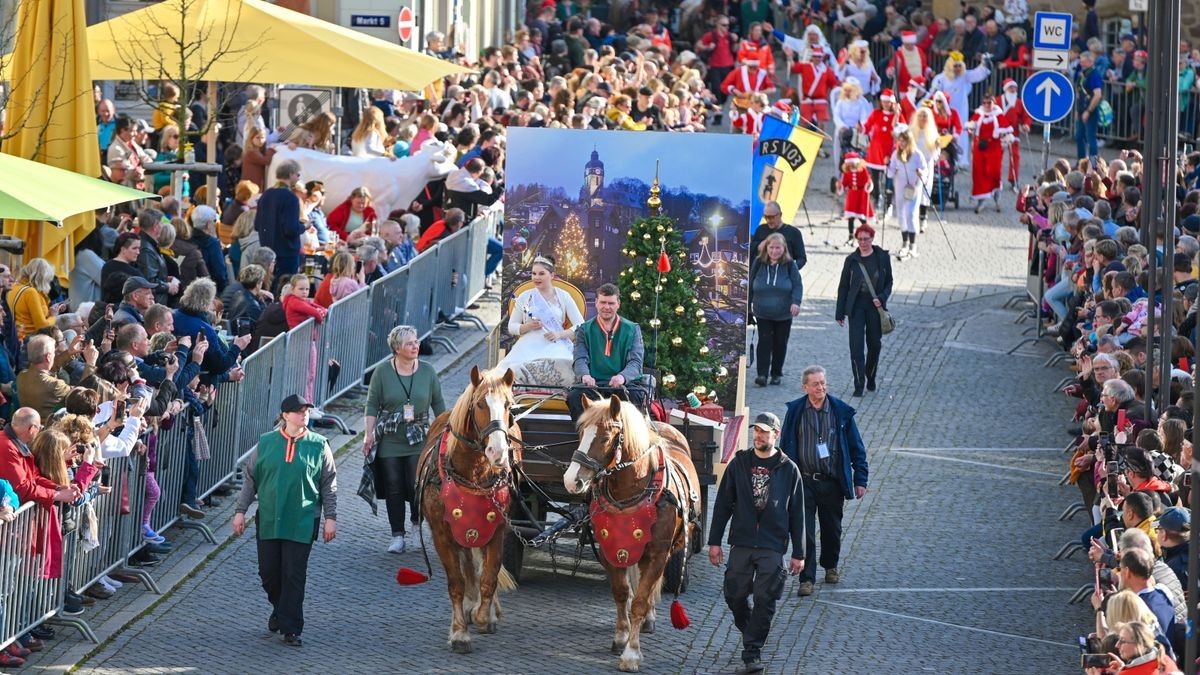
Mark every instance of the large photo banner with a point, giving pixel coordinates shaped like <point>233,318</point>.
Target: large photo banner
<point>579,199</point>
<point>783,163</point>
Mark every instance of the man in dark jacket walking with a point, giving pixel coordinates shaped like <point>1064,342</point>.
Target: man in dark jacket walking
<point>761,492</point>
<point>821,437</point>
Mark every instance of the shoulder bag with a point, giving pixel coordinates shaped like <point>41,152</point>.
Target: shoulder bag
<point>886,323</point>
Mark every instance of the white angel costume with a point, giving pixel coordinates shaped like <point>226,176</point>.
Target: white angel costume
<point>535,359</point>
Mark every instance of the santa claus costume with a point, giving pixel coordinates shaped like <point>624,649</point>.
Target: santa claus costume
<point>816,80</point>
<point>857,186</point>
<point>947,120</point>
<point>912,98</point>
<point>990,131</point>
<point>742,82</point>
<point>908,62</point>
<point>749,50</point>
<point>1019,120</point>
<point>879,128</point>
<point>750,122</point>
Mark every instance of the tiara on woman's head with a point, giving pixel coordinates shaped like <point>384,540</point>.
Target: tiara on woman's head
<point>544,261</point>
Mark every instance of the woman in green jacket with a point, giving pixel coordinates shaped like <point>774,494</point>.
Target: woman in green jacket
<point>403,391</point>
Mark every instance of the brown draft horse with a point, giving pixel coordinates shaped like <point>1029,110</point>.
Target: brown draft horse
<point>645,506</point>
<point>464,478</point>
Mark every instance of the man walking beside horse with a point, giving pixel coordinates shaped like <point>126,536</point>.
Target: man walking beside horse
<point>763,495</point>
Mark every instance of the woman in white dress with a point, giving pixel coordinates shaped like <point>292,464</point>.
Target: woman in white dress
<point>925,133</point>
<point>543,320</point>
<point>850,112</point>
<point>858,64</point>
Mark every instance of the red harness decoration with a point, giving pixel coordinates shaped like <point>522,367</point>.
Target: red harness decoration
<point>473,516</point>
<point>624,533</point>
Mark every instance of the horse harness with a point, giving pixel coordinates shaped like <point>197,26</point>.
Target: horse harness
<point>472,510</point>
<point>622,526</point>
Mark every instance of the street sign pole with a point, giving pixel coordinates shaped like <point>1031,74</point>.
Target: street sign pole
<point>1045,146</point>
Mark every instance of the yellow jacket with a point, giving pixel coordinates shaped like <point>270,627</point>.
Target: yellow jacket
<point>30,309</point>
<point>624,121</point>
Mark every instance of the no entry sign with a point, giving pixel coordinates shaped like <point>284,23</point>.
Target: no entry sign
<point>405,24</point>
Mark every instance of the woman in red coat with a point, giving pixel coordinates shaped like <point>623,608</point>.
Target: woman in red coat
<point>879,127</point>
<point>990,130</point>
<point>354,218</point>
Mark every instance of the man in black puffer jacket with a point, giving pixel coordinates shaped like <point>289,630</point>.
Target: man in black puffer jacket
<point>761,492</point>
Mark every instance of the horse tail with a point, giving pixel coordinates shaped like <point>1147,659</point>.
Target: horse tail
<point>505,581</point>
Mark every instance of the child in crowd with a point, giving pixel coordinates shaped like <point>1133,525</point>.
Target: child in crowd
<point>856,184</point>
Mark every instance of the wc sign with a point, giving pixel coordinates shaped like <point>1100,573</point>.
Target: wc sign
<point>1052,30</point>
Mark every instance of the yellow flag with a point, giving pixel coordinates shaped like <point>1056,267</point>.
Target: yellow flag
<point>783,162</point>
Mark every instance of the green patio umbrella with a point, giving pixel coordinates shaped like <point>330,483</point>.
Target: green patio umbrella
<point>35,191</point>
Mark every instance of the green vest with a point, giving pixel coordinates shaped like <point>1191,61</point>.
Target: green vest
<point>604,367</point>
<point>289,493</point>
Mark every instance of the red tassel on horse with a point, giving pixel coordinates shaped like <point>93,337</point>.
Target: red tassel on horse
<point>410,577</point>
<point>679,617</point>
<point>664,263</point>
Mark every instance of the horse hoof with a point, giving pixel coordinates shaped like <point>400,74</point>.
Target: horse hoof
<point>629,666</point>
<point>648,626</point>
<point>617,647</point>
<point>486,628</point>
<point>460,646</point>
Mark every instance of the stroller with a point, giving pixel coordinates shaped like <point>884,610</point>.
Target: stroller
<point>944,191</point>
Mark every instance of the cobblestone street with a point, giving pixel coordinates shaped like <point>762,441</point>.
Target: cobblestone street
<point>946,562</point>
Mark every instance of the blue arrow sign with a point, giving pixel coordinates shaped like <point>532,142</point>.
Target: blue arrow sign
<point>1048,96</point>
<point>1052,30</point>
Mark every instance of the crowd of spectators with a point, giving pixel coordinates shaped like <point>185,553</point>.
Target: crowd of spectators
<point>1130,452</point>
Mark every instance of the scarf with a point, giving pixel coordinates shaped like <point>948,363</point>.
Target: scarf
<point>290,454</point>
<point>608,334</point>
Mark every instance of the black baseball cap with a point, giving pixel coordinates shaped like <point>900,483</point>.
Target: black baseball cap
<point>766,421</point>
<point>294,403</point>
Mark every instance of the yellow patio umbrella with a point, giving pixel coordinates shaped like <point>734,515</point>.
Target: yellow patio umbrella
<point>51,111</point>
<point>252,41</point>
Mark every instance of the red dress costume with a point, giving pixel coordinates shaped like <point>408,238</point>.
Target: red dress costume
<point>878,128</point>
<point>857,185</point>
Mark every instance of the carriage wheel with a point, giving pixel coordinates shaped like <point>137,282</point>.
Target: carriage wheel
<point>673,578</point>
<point>513,555</point>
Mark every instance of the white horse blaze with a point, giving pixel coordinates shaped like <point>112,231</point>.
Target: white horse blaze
<point>497,441</point>
<point>572,474</point>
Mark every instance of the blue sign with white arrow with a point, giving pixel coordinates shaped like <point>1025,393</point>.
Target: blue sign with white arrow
<point>1048,96</point>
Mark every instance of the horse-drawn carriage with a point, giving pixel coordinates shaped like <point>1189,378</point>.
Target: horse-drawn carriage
<point>546,510</point>
<point>508,467</point>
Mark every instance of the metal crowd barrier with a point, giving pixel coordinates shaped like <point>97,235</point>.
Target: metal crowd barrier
<point>27,596</point>
<point>346,317</point>
<point>388,304</point>
<point>241,413</point>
